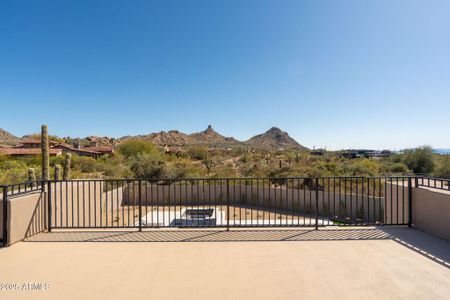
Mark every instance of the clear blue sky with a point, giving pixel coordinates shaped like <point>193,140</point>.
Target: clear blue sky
<point>339,74</point>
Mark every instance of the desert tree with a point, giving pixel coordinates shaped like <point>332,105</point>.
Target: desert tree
<point>209,162</point>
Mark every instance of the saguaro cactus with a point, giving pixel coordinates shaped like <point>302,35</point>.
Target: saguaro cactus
<point>67,162</point>
<point>57,172</point>
<point>208,163</point>
<point>244,157</point>
<point>31,174</point>
<point>32,177</point>
<point>45,153</point>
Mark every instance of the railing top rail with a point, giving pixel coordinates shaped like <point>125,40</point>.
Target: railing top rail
<point>434,178</point>
<point>429,175</point>
<point>235,178</point>
<point>435,183</point>
<point>37,184</point>
<point>41,182</point>
<point>21,188</point>
<point>22,183</point>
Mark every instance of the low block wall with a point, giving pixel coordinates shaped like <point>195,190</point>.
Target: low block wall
<point>431,211</point>
<point>27,216</point>
<point>77,205</point>
<point>370,209</point>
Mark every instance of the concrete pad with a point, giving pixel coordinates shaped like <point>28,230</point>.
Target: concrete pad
<point>289,264</point>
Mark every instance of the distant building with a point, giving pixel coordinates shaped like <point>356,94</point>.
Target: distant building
<point>386,153</point>
<point>23,152</point>
<point>29,147</point>
<point>318,152</point>
<point>33,143</point>
<point>78,150</point>
<point>101,149</point>
<point>365,153</point>
<point>32,147</point>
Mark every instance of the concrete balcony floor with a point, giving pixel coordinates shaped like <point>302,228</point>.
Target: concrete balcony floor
<point>269,263</point>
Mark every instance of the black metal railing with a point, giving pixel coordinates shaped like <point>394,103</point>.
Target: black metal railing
<point>221,202</point>
<point>17,189</point>
<point>431,182</point>
<point>229,202</point>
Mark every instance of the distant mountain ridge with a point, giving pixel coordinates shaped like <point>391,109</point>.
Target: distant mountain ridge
<point>162,138</point>
<point>274,138</point>
<point>7,138</point>
<point>442,151</point>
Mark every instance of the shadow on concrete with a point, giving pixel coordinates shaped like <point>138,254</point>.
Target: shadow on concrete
<point>423,243</point>
<point>38,222</point>
<point>211,235</point>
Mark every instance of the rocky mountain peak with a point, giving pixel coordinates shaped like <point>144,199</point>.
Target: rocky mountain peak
<point>274,138</point>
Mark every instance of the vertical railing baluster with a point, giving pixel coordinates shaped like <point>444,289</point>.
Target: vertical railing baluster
<point>410,191</point>
<point>340,198</point>
<point>60,203</point>
<point>49,199</point>
<point>95,203</point>
<point>140,204</point>
<point>373,199</point>
<point>89,199</point>
<point>351,200</point>
<point>317,203</point>
<point>228,205</point>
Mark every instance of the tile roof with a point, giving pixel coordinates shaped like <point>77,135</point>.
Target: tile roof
<point>81,150</point>
<point>102,149</point>
<point>27,151</point>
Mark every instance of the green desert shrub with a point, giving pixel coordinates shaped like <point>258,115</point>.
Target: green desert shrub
<point>325,168</point>
<point>396,158</point>
<point>363,167</point>
<point>419,160</point>
<point>85,164</point>
<point>398,168</point>
<point>183,168</point>
<point>115,166</point>
<point>197,152</point>
<point>13,171</point>
<point>134,147</point>
<point>146,165</point>
<point>116,171</point>
<point>253,169</point>
<point>14,176</point>
<point>444,168</point>
<point>224,171</point>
